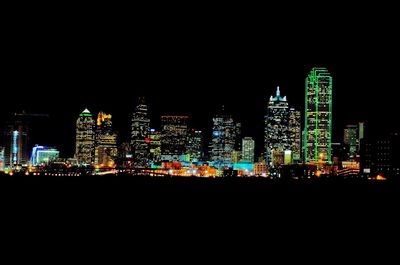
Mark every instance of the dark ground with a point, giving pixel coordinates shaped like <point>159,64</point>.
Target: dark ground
<point>193,218</point>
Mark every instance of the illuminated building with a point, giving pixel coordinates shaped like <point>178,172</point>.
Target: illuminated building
<point>260,169</point>
<point>223,140</point>
<point>43,155</point>
<point>124,150</point>
<point>276,136</point>
<point>16,144</point>
<point>350,138</point>
<point>236,156</point>
<point>248,149</point>
<point>140,135</point>
<point>318,117</point>
<point>278,158</point>
<point>361,133</point>
<point>195,145</point>
<point>105,141</point>
<point>238,138</point>
<point>381,155</point>
<point>174,132</point>
<point>1,158</point>
<point>155,146</point>
<point>294,134</point>
<point>84,152</point>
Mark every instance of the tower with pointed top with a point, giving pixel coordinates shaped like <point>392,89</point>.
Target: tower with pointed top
<point>318,117</point>
<point>140,129</point>
<point>84,148</point>
<point>276,138</point>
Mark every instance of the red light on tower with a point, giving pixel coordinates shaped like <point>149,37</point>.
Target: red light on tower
<point>147,140</point>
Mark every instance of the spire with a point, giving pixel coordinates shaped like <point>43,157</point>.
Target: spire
<point>278,93</point>
<point>85,113</point>
<point>142,100</point>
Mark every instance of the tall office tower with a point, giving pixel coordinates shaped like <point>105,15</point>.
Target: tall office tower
<point>238,137</point>
<point>43,155</point>
<point>294,136</point>
<point>85,125</point>
<point>361,133</point>
<point>173,137</point>
<point>105,141</point>
<point>140,134</point>
<point>16,144</point>
<point>155,146</point>
<point>318,117</point>
<point>276,127</point>
<point>223,140</point>
<point>350,138</point>
<point>195,145</point>
<point>248,149</point>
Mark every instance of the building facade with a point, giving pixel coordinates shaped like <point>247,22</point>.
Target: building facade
<point>350,138</point>
<point>140,129</point>
<point>223,140</point>
<point>155,146</point>
<point>85,137</point>
<point>43,155</point>
<point>174,132</point>
<point>195,145</point>
<point>248,149</point>
<point>318,117</point>
<point>16,151</point>
<point>294,131</point>
<point>381,156</point>
<point>105,141</point>
<point>276,136</point>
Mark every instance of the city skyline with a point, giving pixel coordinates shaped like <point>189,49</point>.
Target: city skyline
<point>200,116</point>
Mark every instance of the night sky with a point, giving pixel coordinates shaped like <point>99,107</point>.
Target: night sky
<point>192,69</point>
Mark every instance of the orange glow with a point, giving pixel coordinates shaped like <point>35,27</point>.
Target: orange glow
<point>380,177</point>
<point>101,117</point>
<point>318,173</point>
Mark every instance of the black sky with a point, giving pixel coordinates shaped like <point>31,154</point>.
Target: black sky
<point>192,67</point>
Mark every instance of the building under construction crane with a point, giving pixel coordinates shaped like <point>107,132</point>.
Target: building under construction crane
<point>16,138</point>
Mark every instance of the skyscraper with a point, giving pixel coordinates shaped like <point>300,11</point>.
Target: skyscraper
<point>84,151</point>
<point>140,135</point>
<point>248,149</point>
<point>276,135</point>
<point>174,131</point>
<point>155,146</point>
<point>195,145</point>
<point>223,140</point>
<point>16,144</point>
<point>105,141</point>
<point>318,117</point>
<point>295,134</point>
<point>350,138</point>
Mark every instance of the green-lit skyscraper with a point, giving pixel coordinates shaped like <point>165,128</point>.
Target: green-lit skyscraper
<point>318,116</point>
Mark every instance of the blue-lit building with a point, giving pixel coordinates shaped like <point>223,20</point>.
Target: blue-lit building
<point>16,144</point>
<point>43,155</point>
<point>1,158</point>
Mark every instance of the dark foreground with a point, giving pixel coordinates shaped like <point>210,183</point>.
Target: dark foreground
<point>161,190</point>
<point>195,214</point>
